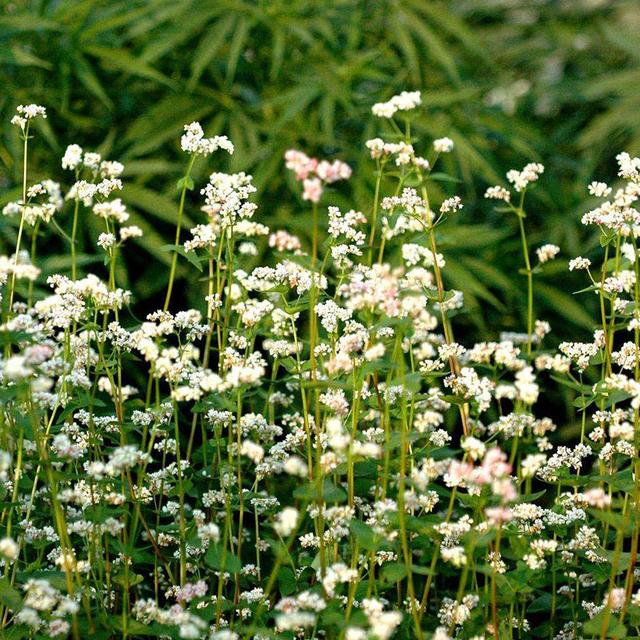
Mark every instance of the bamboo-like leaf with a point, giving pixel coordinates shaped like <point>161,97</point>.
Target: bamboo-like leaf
<point>296,100</point>
<point>465,280</point>
<point>210,43</point>
<point>90,80</point>
<point>124,61</point>
<point>24,58</point>
<point>565,305</point>
<point>152,203</point>
<point>27,22</point>
<point>277,53</point>
<point>236,47</point>
<point>437,49</point>
<point>400,26</point>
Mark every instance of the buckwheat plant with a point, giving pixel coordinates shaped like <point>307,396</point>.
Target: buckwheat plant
<point>311,453</point>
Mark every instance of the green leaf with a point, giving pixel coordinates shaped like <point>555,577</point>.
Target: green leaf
<point>540,604</point>
<point>330,493</point>
<point>136,628</point>
<point>365,535</point>
<point>238,41</point>
<point>210,43</point>
<point>295,101</point>
<point>9,596</point>
<point>615,520</point>
<point>565,305</point>
<point>611,628</point>
<point>28,22</point>
<point>90,81</point>
<point>287,581</point>
<point>189,255</point>
<point>394,572</point>
<point>438,176</point>
<point>153,203</point>
<point>124,61</point>
<point>186,183</point>
<point>217,559</point>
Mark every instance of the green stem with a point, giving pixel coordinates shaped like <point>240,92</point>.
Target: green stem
<point>529,272</point>
<point>74,231</point>
<point>174,259</point>
<point>24,204</point>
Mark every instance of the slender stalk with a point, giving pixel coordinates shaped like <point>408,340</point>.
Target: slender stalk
<point>374,211</point>
<point>174,258</point>
<point>25,152</point>
<point>529,273</point>
<point>314,235</point>
<point>446,325</point>
<point>34,243</point>
<point>404,541</point>
<point>74,233</point>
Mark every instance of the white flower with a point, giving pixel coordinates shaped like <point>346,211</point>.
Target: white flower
<point>629,168</point>
<point>521,179</point>
<point>579,263</point>
<point>252,450</point>
<point>455,555</point>
<point>404,101</point>
<point>9,548</point>
<point>451,205</point>
<point>32,111</point>
<point>209,531</point>
<point>296,466</point>
<point>474,447</point>
<point>72,157</point>
<point>193,141</point>
<point>286,521</point>
<point>132,231</point>
<point>547,252</point>
<point>113,210</point>
<point>336,574</point>
<point>106,240</point>
<point>599,189</point>
<point>497,193</point>
<point>16,367</point>
<point>443,145</point>
<point>26,113</point>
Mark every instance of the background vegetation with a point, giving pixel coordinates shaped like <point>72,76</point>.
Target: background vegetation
<point>510,81</point>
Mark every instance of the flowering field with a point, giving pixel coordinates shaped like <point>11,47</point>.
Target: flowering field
<point>314,451</point>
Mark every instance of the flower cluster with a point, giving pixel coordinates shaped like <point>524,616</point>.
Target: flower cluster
<point>405,101</point>
<point>310,453</point>
<point>315,174</point>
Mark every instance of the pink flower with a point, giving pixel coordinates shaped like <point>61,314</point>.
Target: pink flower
<point>301,164</point>
<point>615,599</point>
<point>597,498</point>
<point>504,488</point>
<point>191,591</point>
<point>312,189</point>
<point>498,515</point>
<point>333,171</point>
<point>495,463</point>
<point>305,167</point>
<point>495,470</point>
<point>458,473</point>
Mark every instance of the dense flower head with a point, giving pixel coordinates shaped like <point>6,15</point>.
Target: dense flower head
<point>194,141</point>
<point>522,179</point>
<point>404,101</point>
<point>44,199</point>
<point>547,252</point>
<point>443,145</point>
<point>315,174</point>
<point>26,113</point>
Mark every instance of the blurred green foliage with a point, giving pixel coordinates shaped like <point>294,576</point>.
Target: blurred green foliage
<point>510,81</point>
